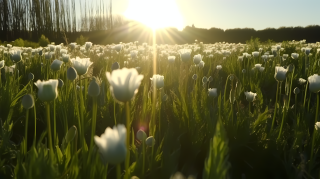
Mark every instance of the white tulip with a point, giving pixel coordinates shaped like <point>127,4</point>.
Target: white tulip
<point>219,67</point>
<point>317,125</point>
<point>201,64</point>
<point>295,56</point>
<point>280,73</point>
<point>197,59</point>
<point>171,59</point>
<point>250,96</point>
<point>81,65</point>
<point>158,81</point>
<point>212,92</point>
<point>124,83</point>
<point>185,54</point>
<point>314,83</point>
<point>47,90</point>
<point>112,144</point>
<point>255,54</point>
<point>302,81</point>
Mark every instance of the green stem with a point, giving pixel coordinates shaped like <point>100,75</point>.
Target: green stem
<point>114,112</point>
<point>118,171</point>
<point>77,111</point>
<point>295,107</point>
<point>283,117</point>
<point>290,87</point>
<point>49,129</point>
<point>128,138</point>
<point>159,115</point>
<point>26,131</point>
<point>314,131</point>
<point>54,124</point>
<point>81,115</point>
<point>94,117</point>
<point>35,125</point>
<point>249,108</point>
<point>275,108</point>
<point>143,155</point>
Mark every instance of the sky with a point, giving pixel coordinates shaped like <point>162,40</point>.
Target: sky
<point>224,14</point>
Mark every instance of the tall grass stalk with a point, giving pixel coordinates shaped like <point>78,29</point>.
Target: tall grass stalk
<point>314,131</point>
<point>128,123</point>
<point>49,129</point>
<point>275,108</point>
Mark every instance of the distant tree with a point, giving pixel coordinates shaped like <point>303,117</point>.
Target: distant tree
<point>81,40</point>
<point>43,41</point>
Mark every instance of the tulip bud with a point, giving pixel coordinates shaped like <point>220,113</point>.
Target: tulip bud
<point>141,135</point>
<point>210,79</point>
<point>30,76</point>
<point>244,70</point>
<point>150,141</point>
<point>94,88</point>
<point>231,78</point>
<point>204,80</point>
<point>115,66</point>
<point>71,74</point>
<point>16,56</point>
<point>56,65</point>
<point>194,76</point>
<point>27,101</point>
<point>60,83</point>
<point>296,90</point>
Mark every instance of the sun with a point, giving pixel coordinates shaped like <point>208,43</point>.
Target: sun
<point>155,13</point>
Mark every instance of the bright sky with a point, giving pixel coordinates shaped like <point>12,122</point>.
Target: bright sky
<point>224,14</point>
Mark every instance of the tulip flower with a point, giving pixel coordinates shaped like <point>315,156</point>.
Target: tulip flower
<point>201,64</point>
<point>185,55</point>
<point>295,56</point>
<point>171,59</point>
<point>314,83</point>
<point>317,125</point>
<point>16,56</point>
<point>219,67</point>
<point>158,81</point>
<point>250,96</point>
<point>112,144</point>
<point>65,58</point>
<point>212,92</point>
<point>81,65</point>
<point>88,45</point>
<point>302,81</point>
<point>280,74</point>
<point>124,83</point>
<point>47,90</point>
<point>197,59</point>
<point>255,54</point>
<point>118,47</point>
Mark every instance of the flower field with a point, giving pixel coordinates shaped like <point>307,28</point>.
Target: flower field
<point>137,110</point>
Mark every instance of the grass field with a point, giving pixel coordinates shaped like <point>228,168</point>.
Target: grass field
<point>160,111</point>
